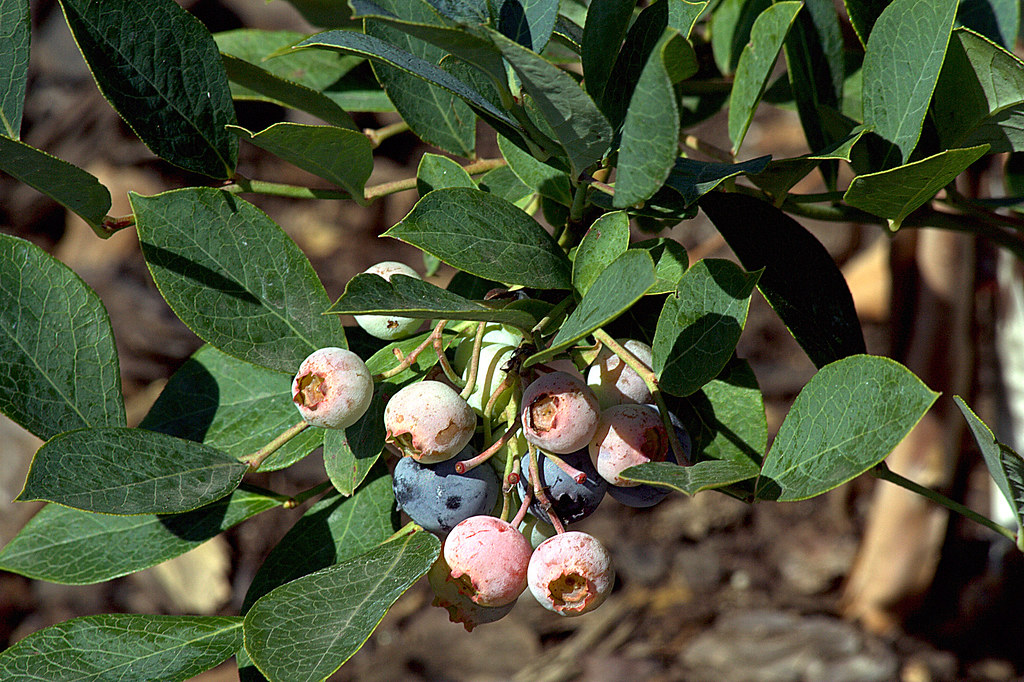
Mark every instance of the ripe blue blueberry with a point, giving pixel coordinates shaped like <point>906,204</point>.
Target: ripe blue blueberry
<point>437,498</point>
<point>644,495</point>
<point>570,500</point>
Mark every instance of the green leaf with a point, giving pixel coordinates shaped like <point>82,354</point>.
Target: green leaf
<point>129,471</point>
<point>240,283</point>
<point>577,123</point>
<point>603,33</point>
<point>543,178</point>
<point>693,179</point>
<point>308,628</point>
<point>159,67</point>
<point>670,262</point>
<point>503,182</point>
<point>621,285</point>
<point>901,66</point>
<point>730,27</point>
<point>779,176</point>
<point>68,185</point>
<point>327,13</point>
<point>991,449</point>
<point>1012,465</point>
<point>863,15</point>
<point>997,20</point>
<point>337,155</point>
<point>847,418</point>
<point>335,529</point>
<point>440,172</point>
<point>106,547</point>
<point>605,240</point>
<point>56,346</point>
<point>15,36</point>
<point>568,33</point>
<point>700,325</point>
<point>485,236</point>
<point>896,193</point>
<point>233,406</point>
<point>706,475</point>
<point>115,646</point>
<point>755,66</point>
<point>800,279</point>
<point>980,95</point>
<point>650,132</point>
<point>528,22</point>
<point>411,297</point>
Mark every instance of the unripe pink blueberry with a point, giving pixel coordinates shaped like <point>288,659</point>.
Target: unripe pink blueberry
<point>488,559</point>
<point>627,435</point>
<point>429,421</point>
<point>389,327</point>
<point>614,382</point>
<point>461,609</point>
<point>571,573</point>
<point>333,388</point>
<point>559,413</point>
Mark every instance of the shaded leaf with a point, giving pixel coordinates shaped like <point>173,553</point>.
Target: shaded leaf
<point>693,179</point>
<point>316,70</point>
<point>233,406</point>
<point>159,67</point>
<point>306,629</point>
<point>15,36</point>
<point>896,193</point>
<point>545,179</point>
<point>116,646</point>
<point>129,471</point>
<point>603,33</point>
<point>670,262</point>
<point>863,14</point>
<point>997,20</point>
<point>847,419</point>
<point>730,27</point>
<point>1012,465</point>
<point>780,175</point>
<point>240,283</point>
<point>605,240</point>
<point>800,280</point>
<point>700,325</point>
<point>106,547</point>
<point>485,236</point>
<point>991,449</point>
<point>56,345</point>
<point>528,22</point>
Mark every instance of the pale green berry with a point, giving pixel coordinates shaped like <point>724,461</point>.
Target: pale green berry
<point>389,327</point>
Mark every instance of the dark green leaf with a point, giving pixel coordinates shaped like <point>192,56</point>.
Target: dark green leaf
<point>485,236</point>
<point>755,66</point>
<point>800,279</point>
<point>15,36</point>
<point>781,175</point>
<point>896,193</point>
<point>706,475</point>
<point>568,33</point>
<point>70,186</point>
<point>1012,465</point>
<point>901,66</point>
<point>700,325</point>
<point>606,240</point>
<point>117,646</point>
<point>650,132</point>
<point>621,285</point>
<point>233,406</point>
<point>234,277</point>
<point>670,262</point>
<point>997,20</point>
<point>603,34</point>
<point>863,15</point>
<point>306,629</point>
<point>335,529</point>
<point>106,547</point>
<point>338,155</point>
<point>160,69</point>
<point>528,22</point>
<point>545,179</point>
<point>847,418</point>
<point>439,172</point>
<point>502,182</point>
<point>270,51</point>
<point>130,471</point>
<point>730,27</point>
<point>56,345</point>
<point>979,98</point>
<point>991,449</point>
<point>693,179</point>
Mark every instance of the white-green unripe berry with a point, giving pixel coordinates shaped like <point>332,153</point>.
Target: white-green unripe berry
<point>496,349</point>
<point>389,327</point>
<point>333,388</point>
<point>615,383</point>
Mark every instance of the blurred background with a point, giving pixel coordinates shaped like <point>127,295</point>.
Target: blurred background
<point>864,583</point>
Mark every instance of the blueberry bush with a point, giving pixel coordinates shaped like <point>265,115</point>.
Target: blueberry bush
<point>574,352</point>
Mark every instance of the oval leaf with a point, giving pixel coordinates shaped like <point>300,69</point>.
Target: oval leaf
<point>234,277</point>
<point>439,172</point>
<point>159,67</point>
<point>306,629</point>
<point>992,452</point>
<point>605,240</point>
<point>486,236</point>
<point>15,37</point>
<point>547,180</point>
<point>847,419</point>
<point>603,33</point>
<point>56,346</point>
<point>129,471</point>
<point>106,547</point>
<point>117,646</point>
<point>693,179</point>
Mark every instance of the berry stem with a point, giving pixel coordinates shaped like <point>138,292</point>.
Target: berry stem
<point>576,474</point>
<point>474,362</point>
<point>256,459</point>
<point>299,498</point>
<point>538,491</point>
<point>409,359</point>
<point>524,506</point>
<point>466,465</point>
<point>647,374</point>
<point>380,134</point>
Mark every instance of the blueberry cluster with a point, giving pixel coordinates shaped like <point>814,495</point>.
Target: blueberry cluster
<point>562,441</point>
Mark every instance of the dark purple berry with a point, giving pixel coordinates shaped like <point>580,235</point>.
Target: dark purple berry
<point>572,501</point>
<point>437,498</point>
